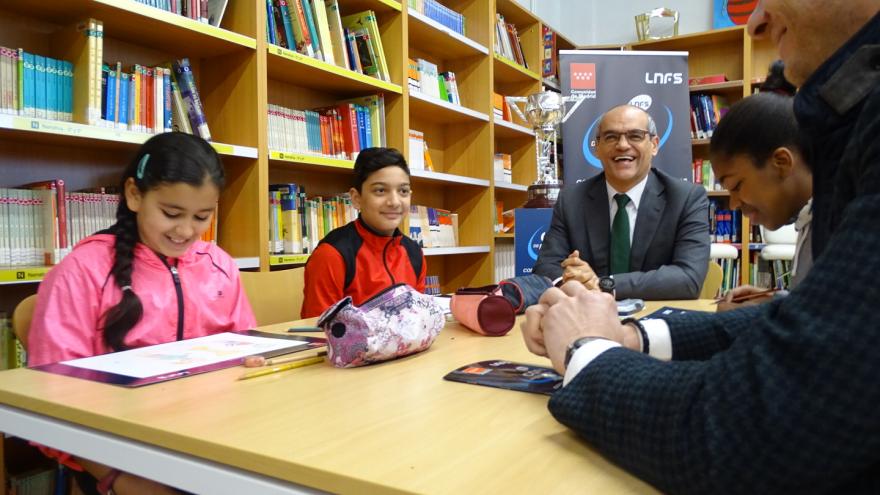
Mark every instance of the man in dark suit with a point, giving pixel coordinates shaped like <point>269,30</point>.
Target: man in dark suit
<point>776,398</point>
<point>656,245</point>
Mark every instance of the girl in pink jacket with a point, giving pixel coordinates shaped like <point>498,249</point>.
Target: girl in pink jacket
<point>149,278</point>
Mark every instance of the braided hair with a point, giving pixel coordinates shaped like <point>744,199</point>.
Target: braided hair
<point>168,158</point>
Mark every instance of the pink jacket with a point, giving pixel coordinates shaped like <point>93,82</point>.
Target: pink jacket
<point>75,295</point>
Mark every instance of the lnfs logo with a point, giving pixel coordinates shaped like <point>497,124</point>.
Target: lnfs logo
<point>664,78</point>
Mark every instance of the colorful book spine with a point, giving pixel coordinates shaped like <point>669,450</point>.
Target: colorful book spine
<point>191,97</point>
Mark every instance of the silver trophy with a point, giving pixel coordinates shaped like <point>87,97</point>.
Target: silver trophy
<point>544,112</point>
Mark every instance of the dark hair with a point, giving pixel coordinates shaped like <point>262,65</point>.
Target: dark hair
<point>776,82</point>
<point>755,127</point>
<point>370,160</point>
<point>169,158</point>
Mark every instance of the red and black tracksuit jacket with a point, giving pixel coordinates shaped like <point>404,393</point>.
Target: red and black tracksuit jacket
<point>355,261</point>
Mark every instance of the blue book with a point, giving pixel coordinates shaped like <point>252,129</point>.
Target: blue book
<point>288,27</point>
<point>270,23</point>
<point>123,100</point>
<point>368,127</point>
<point>166,100</point>
<point>40,86</point>
<point>30,85</point>
<point>313,32</point>
<point>190,95</point>
<point>362,126</point>
<point>110,107</point>
<point>67,93</point>
<point>51,92</point>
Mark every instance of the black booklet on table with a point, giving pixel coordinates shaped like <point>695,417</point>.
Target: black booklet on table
<point>512,376</point>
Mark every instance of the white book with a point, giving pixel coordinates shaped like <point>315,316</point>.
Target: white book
<point>416,159</point>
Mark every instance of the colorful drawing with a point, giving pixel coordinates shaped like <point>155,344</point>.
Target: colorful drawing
<point>728,13</point>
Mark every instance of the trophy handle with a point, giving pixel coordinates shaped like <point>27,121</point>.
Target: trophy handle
<point>577,103</point>
<point>512,103</point>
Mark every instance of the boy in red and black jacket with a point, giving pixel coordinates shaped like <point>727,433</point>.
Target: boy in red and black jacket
<point>369,254</point>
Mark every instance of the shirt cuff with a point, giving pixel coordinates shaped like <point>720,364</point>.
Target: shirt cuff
<point>585,355</point>
<point>659,339</point>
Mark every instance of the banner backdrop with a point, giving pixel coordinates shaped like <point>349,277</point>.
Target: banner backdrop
<point>531,225</point>
<point>654,81</point>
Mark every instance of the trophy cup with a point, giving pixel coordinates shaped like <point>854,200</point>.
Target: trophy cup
<point>544,111</point>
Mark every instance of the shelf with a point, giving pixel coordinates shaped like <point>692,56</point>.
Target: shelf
<point>443,112</point>
<point>511,187</point>
<point>719,87</point>
<point>243,263</point>
<point>508,71</point>
<point>140,24</point>
<point>55,132</point>
<point>507,130</point>
<point>430,35</point>
<point>551,84</point>
<point>504,236</point>
<point>701,142</point>
<point>713,194</point>
<point>446,251</point>
<point>306,159</point>
<point>288,259</point>
<point>442,177</point>
<point>690,41</point>
<point>295,68</point>
<point>375,5</point>
<point>515,13</point>
<point>23,275</point>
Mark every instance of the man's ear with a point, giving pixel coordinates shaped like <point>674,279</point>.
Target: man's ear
<point>355,198</point>
<point>655,145</point>
<point>133,196</point>
<point>782,161</point>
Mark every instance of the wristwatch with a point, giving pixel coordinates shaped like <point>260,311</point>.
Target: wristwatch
<point>606,284</point>
<point>577,344</point>
<point>105,484</point>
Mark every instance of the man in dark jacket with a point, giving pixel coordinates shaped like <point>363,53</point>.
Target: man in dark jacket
<point>777,398</point>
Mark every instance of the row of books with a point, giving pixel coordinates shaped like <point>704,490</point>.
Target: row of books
<point>423,76</point>
<point>152,99</point>
<point>704,175</point>
<point>339,131</point>
<point>88,91</point>
<point>317,29</point>
<point>706,111</point>
<point>502,168</point>
<point>724,224</point>
<point>419,156</point>
<point>504,220</point>
<point>431,227</point>
<point>432,285</point>
<point>432,9</point>
<point>505,261</point>
<point>35,86</point>
<point>730,269</point>
<point>298,223</point>
<point>207,11</point>
<point>507,42</point>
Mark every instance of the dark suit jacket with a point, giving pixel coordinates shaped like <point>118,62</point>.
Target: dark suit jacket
<point>670,246</point>
<point>781,397</point>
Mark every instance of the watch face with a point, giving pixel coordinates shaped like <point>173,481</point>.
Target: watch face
<point>606,284</point>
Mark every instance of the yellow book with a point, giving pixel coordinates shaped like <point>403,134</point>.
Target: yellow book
<point>76,43</point>
<point>337,36</point>
<point>323,31</point>
<point>367,20</point>
<point>97,66</point>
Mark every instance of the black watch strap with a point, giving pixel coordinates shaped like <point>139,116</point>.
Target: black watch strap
<point>646,344</point>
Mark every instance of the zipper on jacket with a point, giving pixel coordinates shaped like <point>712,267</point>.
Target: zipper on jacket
<point>175,276</point>
<point>385,259</point>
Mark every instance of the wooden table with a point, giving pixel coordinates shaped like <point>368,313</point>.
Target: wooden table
<point>396,427</point>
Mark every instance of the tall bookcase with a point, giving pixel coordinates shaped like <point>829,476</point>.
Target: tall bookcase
<point>238,74</point>
<point>745,62</point>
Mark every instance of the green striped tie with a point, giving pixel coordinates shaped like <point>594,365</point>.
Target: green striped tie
<point>620,236</point>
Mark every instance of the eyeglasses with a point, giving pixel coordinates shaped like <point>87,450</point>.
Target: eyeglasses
<point>633,136</point>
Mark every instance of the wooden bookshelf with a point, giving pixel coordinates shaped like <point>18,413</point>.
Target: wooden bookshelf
<point>239,74</point>
<point>731,52</point>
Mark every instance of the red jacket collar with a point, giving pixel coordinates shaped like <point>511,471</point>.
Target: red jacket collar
<point>373,238</point>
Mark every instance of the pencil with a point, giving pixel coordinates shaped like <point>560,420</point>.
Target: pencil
<point>748,297</point>
<point>291,359</point>
<point>284,367</point>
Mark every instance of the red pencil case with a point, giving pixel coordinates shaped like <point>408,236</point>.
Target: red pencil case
<point>483,310</point>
